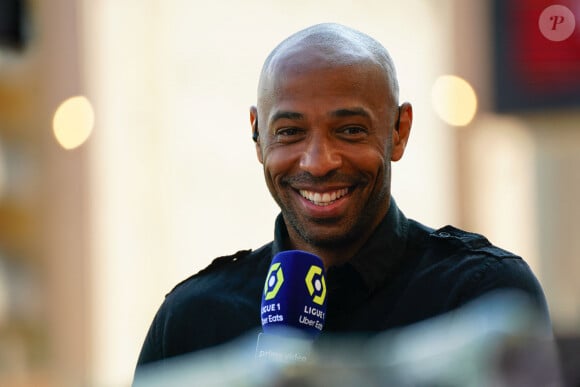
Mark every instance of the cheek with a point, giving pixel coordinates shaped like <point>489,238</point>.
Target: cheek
<point>372,164</point>
<point>370,160</point>
<point>259,153</point>
<point>279,162</point>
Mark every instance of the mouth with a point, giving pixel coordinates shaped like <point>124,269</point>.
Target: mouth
<point>323,199</point>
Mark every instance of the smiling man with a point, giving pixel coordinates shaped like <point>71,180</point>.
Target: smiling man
<point>327,126</point>
<point>330,126</point>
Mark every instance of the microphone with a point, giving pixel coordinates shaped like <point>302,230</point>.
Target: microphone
<point>293,306</point>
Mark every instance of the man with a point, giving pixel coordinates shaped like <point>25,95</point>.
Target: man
<point>327,126</point>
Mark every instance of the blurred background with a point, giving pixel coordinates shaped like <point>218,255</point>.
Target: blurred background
<point>126,160</point>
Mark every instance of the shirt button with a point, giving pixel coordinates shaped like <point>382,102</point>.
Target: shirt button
<point>444,234</point>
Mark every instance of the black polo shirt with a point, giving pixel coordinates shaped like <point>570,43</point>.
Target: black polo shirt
<point>405,273</point>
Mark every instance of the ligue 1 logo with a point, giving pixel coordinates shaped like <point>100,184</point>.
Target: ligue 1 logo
<point>294,295</point>
<point>274,281</point>
<point>316,284</point>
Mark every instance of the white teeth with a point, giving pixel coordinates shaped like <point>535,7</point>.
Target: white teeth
<point>323,199</point>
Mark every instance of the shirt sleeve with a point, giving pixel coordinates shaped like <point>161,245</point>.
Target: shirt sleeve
<point>151,350</point>
<point>510,273</point>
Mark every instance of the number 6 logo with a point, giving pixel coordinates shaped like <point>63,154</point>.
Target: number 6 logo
<point>317,285</point>
<point>274,283</point>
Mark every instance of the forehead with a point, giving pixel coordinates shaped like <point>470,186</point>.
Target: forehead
<point>309,73</point>
<point>306,56</point>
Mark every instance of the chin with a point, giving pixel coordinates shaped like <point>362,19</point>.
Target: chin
<point>331,239</point>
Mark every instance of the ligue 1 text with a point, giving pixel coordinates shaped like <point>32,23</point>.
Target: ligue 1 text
<point>274,307</point>
<point>312,311</point>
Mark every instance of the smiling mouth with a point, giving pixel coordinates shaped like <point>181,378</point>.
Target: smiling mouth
<point>324,198</point>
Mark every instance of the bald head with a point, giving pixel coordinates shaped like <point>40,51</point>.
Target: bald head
<point>325,46</point>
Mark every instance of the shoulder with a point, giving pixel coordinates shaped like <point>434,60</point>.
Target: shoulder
<point>458,245</point>
<point>200,311</point>
<point>473,251</point>
<point>451,239</point>
<point>451,246</point>
<point>471,265</point>
<point>237,269</point>
<point>231,285</point>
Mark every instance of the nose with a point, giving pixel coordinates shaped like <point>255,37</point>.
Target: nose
<point>320,156</point>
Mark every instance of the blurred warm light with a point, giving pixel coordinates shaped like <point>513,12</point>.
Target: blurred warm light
<point>73,122</point>
<point>4,301</point>
<point>2,170</point>
<point>454,100</point>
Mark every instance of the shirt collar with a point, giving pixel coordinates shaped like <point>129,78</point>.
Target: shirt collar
<point>384,250</point>
<point>281,237</point>
<point>377,259</point>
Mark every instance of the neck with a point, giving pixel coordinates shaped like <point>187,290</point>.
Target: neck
<point>332,254</point>
<point>331,257</point>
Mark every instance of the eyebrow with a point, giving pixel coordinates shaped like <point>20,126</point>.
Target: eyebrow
<point>336,113</point>
<point>286,114</point>
<point>350,112</point>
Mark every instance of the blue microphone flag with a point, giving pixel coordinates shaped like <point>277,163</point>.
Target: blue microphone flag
<point>294,296</point>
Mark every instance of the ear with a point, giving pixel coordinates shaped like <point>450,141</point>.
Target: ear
<point>255,132</point>
<point>402,132</point>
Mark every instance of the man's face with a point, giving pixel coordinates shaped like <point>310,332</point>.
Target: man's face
<point>325,144</point>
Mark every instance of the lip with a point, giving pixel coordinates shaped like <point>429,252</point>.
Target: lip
<point>330,209</point>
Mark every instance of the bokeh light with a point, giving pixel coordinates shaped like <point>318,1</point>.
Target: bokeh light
<point>73,122</point>
<point>454,100</point>
<point>2,170</point>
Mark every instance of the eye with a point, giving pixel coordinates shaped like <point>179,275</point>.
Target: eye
<point>288,134</point>
<point>353,132</point>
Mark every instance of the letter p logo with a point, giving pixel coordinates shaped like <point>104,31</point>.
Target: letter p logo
<point>557,23</point>
<point>556,20</point>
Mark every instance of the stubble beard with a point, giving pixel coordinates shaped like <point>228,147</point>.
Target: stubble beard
<point>356,228</point>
